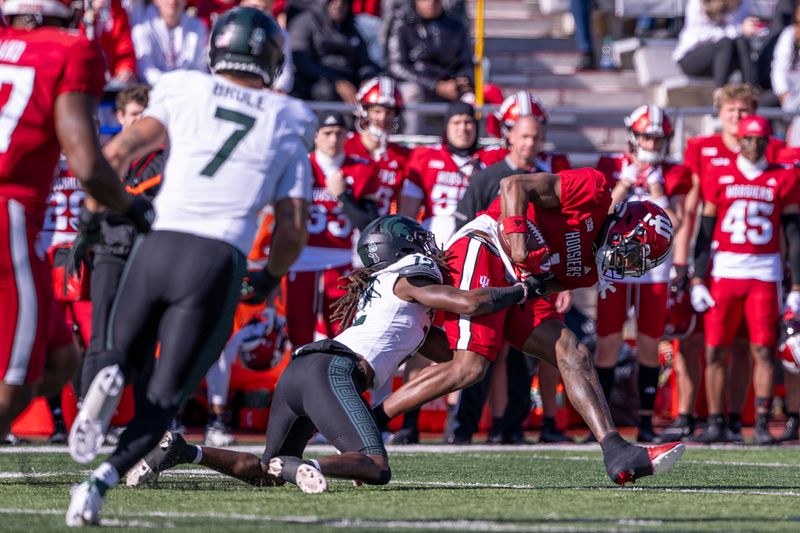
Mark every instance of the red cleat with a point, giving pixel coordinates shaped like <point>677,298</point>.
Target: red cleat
<point>632,464</point>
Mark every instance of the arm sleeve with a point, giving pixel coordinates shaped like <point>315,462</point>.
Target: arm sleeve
<point>360,212</point>
<point>791,227</point>
<point>782,61</point>
<point>84,70</point>
<point>702,246</point>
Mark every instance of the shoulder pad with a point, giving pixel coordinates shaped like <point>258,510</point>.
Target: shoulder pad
<point>418,265</point>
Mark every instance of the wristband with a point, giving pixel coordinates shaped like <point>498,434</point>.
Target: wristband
<point>514,224</point>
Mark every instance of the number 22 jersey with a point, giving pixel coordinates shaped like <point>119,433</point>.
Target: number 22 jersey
<point>749,203</point>
<point>36,66</point>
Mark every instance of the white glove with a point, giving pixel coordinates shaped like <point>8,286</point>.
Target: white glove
<point>655,175</point>
<point>629,174</point>
<point>701,298</point>
<point>793,302</point>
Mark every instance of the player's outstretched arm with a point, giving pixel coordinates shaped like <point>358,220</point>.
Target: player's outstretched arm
<point>542,189</point>
<point>77,134</point>
<point>469,303</point>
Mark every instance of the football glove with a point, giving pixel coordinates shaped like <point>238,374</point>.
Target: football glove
<point>89,234</point>
<point>701,299</point>
<point>141,213</point>
<point>257,285</point>
<point>538,285</point>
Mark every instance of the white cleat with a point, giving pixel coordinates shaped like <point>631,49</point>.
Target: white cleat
<point>310,480</point>
<point>218,435</point>
<point>140,475</point>
<point>85,505</point>
<point>306,477</point>
<point>91,425</point>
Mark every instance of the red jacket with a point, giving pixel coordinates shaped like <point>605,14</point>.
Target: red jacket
<point>115,40</point>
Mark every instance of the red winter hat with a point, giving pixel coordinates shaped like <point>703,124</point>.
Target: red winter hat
<point>753,126</point>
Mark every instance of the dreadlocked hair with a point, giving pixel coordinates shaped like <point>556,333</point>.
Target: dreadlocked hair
<point>360,279</point>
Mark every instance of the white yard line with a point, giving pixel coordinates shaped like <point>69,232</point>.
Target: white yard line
<point>136,520</point>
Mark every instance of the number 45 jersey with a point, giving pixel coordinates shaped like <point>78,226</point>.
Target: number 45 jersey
<point>749,210</point>
<point>35,68</point>
<point>232,150</point>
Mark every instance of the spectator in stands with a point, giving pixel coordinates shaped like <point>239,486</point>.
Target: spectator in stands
<point>785,72</point>
<point>714,41</point>
<point>582,14</point>
<point>430,54</point>
<point>169,39</point>
<point>285,80</point>
<point>208,10</point>
<point>782,17</point>
<point>107,22</point>
<point>329,53</point>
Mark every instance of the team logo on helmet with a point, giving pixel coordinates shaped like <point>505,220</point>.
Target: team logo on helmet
<point>639,239</point>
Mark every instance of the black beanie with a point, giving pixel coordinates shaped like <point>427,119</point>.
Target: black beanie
<point>459,108</point>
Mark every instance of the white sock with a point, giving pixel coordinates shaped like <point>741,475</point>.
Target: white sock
<point>199,456</point>
<point>315,463</point>
<point>106,474</point>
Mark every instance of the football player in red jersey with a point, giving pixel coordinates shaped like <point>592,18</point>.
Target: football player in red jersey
<point>733,102</point>
<point>36,355</point>
<point>744,206</point>
<point>378,116</point>
<point>641,173</point>
<point>345,198</point>
<point>439,174</point>
<point>559,224</point>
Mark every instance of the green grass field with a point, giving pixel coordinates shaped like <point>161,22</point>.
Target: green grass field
<point>481,489</point>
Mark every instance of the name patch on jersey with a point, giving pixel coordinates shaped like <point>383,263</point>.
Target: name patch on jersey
<point>388,177</point>
<point>449,178</point>
<point>323,194</point>
<point>240,95</point>
<point>755,192</point>
<point>720,161</point>
<point>574,259</point>
<point>11,50</point>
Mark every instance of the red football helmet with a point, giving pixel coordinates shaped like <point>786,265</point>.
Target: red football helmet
<point>639,239</point>
<point>267,345</point>
<point>63,9</point>
<point>681,317</point>
<point>650,121</point>
<point>519,104</point>
<point>380,91</point>
<point>789,343</point>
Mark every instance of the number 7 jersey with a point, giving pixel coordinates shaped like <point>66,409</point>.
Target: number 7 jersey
<point>232,150</point>
<point>36,66</point>
<point>747,231</point>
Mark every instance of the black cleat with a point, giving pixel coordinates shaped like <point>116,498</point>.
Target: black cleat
<point>173,450</point>
<point>635,462</point>
<point>645,432</point>
<point>405,436</point>
<point>762,436</point>
<point>681,428</point>
<point>735,432</point>
<point>59,435</point>
<point>714,432</point>
<point>790,431</point>
<point>552,435</point>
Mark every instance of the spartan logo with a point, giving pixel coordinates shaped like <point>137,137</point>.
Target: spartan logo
<point>257,39</point>
<point>661,223</point>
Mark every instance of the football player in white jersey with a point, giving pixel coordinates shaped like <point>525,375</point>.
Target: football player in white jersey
<point>234,147</point>
<point>389,309</point>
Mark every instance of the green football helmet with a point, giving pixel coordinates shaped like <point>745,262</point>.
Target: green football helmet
<point>247,40</point>
<point>389,238</point>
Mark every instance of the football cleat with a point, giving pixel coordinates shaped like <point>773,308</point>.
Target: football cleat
<point>171,451</point>
<point>790,431</point>
<point>302,473</point>
<point>85,504</point>
<point>91,425</point>
<point>218,435</point>
<point>715,432</point>
<point>681,427</point>
<point>645,433</point>
<point>405,436</point>
<point>645,461</point>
